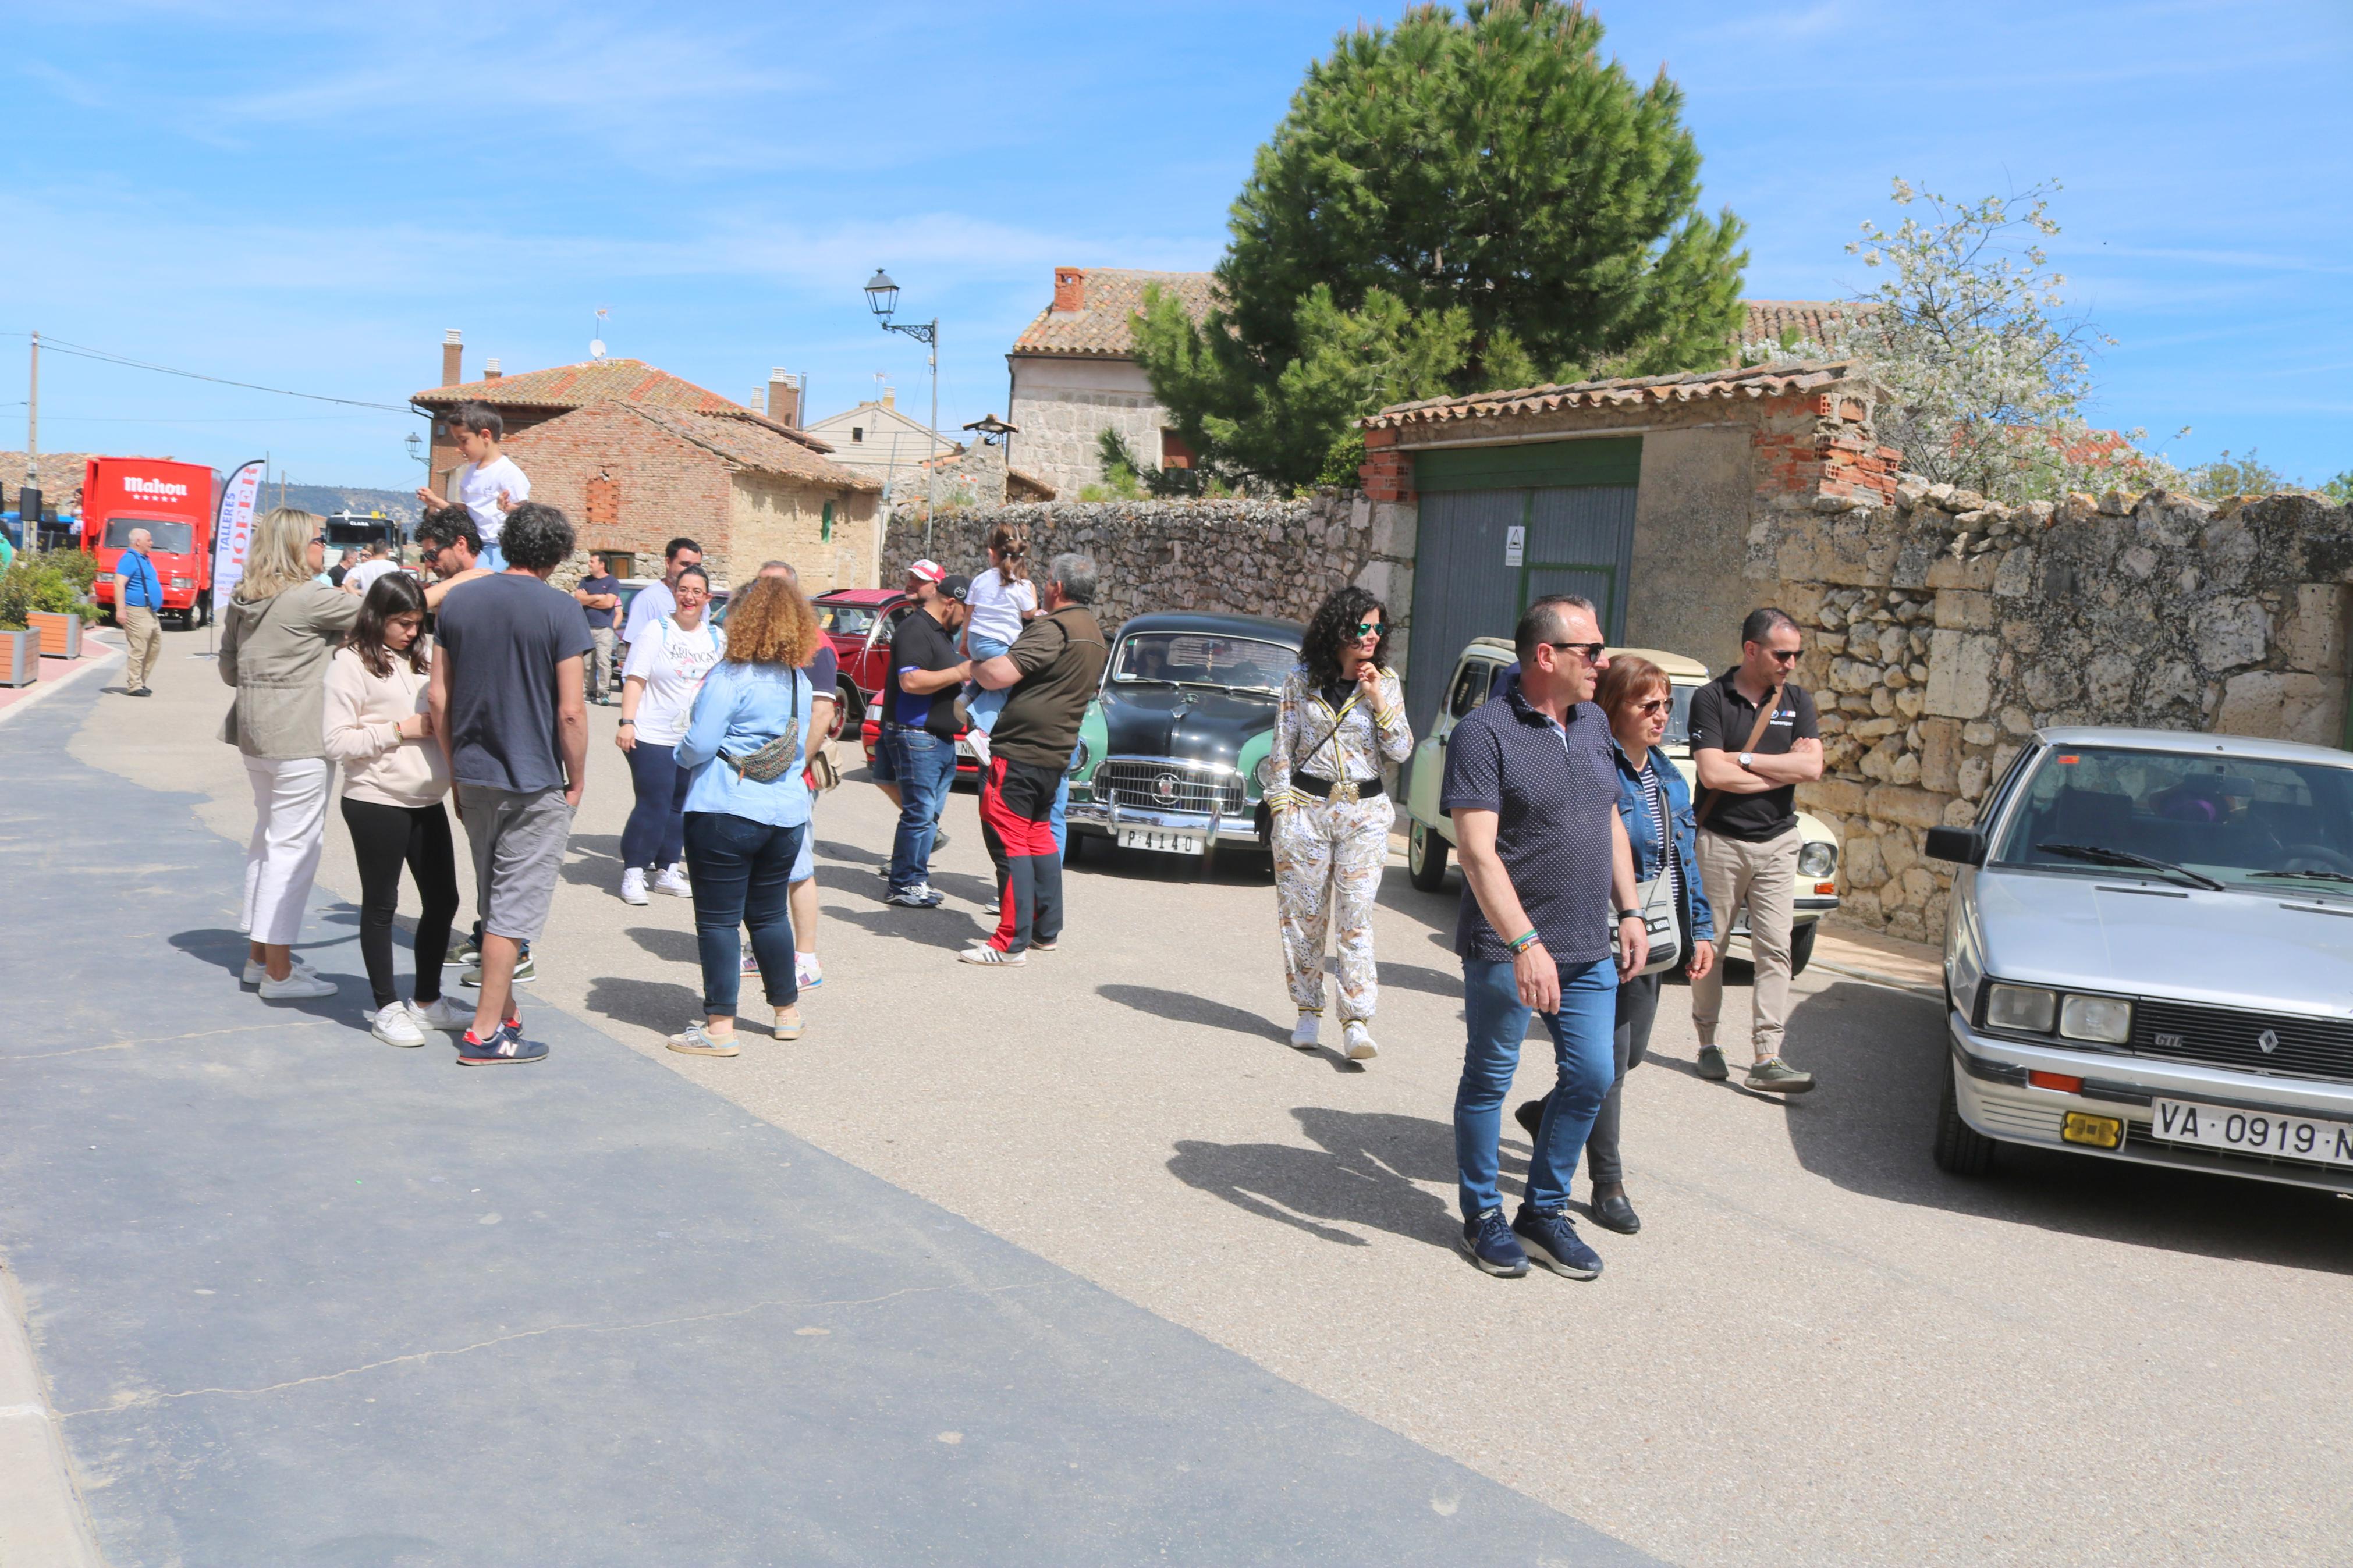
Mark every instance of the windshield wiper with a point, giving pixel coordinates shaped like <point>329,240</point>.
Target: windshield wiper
<point>2101,855</point>
<point>2307,876</point>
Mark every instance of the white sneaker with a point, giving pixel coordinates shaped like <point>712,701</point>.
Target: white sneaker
<point>807,973</point>
<point>978,741</point>
<point>297,987</point>
<point>633,885</point>
<point>395,1024</point>
<point>1303,1033</point>
<point>255,973</point>
<point>443,1014</point>
<point>1360,1042</point>
<point>673,881</point>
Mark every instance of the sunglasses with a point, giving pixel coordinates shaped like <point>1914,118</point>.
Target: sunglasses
<point>1366,629</point>
<point>1778,657</point>
<point>1656,705</point>
<point>1591,651</point>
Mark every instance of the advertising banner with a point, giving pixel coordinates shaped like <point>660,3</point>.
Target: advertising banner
<point>233,529</point>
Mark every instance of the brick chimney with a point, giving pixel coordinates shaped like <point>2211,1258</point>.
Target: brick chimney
<point>491,371</point>
<point>1069,290</point>
<point>890,397</point>
<point>785,397</point>
<point>452,349</point>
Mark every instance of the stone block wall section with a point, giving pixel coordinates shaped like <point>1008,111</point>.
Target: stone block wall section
<point>1247,557</point>
<point>1943,631</point>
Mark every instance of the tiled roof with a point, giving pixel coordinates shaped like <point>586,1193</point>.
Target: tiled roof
<point>576,385</point>
<point>1104,329</point>
<point>750,441</point>
<point>1816,320</point>
<point>1626,393</point>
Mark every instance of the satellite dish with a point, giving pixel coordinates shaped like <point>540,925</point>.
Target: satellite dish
<point>596,348</point>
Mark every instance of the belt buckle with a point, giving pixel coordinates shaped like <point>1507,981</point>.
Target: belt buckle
<point>1344,793</point>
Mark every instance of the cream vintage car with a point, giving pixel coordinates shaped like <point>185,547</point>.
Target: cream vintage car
<point>1479,675</point>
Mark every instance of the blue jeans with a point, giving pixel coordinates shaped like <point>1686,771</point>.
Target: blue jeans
<point>981,706</point>
<point>924,766</point>
<point>1498,1022</point>
<point>491,556</point>
<point>655,834</point>
<point>1060,821</point>
<point>742,871</point>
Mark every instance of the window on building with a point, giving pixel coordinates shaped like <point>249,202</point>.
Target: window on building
<point>858,432</point>
<point>1174,453</point>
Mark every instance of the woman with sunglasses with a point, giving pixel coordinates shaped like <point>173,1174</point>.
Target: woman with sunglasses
<point>666,664</point>
<point>1340,718</point>
<point>1656,806</point>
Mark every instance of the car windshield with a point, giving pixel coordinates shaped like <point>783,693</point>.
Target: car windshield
<point>2245,821</point>
<point>1678,718</point>
<point>171,538</point>
<point>845,620</point>
<point>1203,659</point>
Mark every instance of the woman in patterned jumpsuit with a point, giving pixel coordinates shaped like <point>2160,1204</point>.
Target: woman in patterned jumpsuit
<point>1342,717</point>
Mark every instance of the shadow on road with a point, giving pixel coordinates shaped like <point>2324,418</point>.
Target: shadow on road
<point>661,1006</point>
<point>1366,1171</point>
<point>1880,1053</point>
<point>595,861</point>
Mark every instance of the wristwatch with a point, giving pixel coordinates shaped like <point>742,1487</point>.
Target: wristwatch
<point>1747,759</point>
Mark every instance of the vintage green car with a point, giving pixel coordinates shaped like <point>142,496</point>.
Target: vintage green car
<point>1479,675</point>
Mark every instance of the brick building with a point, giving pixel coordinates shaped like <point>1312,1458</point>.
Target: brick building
<point>633,475</point>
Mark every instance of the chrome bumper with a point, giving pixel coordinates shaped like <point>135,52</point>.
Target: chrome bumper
<point>1989,1081</point>
<point>1110,818</point>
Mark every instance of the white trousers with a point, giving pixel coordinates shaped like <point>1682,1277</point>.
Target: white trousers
<point>289,822</point>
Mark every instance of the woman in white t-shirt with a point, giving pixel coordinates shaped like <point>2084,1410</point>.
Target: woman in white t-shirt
<point>1001,598</point>
<point>666,664</point>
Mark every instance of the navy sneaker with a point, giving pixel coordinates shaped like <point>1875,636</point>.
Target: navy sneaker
<point>922,896</point>
<point>506,1044</point>
<point>1489,1243</point>
<point>1552,1241</point>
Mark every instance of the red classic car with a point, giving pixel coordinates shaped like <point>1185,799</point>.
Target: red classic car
<point>860,623</point>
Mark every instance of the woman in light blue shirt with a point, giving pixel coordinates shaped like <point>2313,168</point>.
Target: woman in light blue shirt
<point>747,807</point>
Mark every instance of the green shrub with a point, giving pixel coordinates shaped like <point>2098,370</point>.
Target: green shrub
<point>42,582</point>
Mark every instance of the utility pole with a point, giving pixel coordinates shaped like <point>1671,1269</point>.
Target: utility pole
<point>33,420</point>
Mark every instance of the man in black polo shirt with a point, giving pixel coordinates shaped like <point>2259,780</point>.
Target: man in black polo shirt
<point>919,729</point>
<point>1532,785</point>
<point>1749,837</point>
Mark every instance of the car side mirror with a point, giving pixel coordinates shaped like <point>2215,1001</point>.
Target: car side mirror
<point>1961,845</point>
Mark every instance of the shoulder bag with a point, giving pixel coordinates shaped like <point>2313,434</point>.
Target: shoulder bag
<point>1756,732</point>
<point>774,760</point>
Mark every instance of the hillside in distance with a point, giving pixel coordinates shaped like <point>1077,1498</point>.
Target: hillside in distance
<point>328,500</point>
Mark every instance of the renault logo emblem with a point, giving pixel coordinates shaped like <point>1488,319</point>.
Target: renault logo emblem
<point>2268,1041</point>
<point>1164,790</point>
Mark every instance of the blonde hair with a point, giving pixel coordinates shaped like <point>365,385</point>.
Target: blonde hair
<point>277,556</point>
<point>770,623</point>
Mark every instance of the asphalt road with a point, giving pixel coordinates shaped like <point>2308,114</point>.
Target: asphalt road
<point>1820,1349</point>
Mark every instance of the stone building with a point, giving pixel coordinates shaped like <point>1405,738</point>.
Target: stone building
<point>1074,376</point>
<point>878,441</point>
<point>632,476</point>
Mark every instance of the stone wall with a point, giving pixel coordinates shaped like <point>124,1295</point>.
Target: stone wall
<point>1251,557</point>
<point>1941,632</point>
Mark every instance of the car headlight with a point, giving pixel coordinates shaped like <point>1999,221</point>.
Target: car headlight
<point>2028,1008</point>
<point>2104,1020</point>
<point>1817,859</point>
<point>1079,759</point>
<point>1265,772</point>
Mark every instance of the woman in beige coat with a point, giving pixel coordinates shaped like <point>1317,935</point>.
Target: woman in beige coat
<point>280,630</point>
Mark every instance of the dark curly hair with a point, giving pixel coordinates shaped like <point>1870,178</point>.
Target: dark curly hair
<point>535,537</point>
<point>446,525</point>
<point>1332,628</point>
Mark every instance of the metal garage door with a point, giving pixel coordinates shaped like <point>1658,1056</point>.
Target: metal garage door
<point>1485,553</point>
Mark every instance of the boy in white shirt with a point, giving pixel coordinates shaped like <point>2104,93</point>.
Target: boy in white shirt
<point>489,485</point>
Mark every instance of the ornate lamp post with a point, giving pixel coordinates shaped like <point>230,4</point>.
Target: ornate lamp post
<point>882,297</point>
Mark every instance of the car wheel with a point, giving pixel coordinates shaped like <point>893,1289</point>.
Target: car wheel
<point>1961,1150</point>
<point>1074,846</point>
<point>1801,947</point>
<point>849,712</point>
<point>1425,857</point>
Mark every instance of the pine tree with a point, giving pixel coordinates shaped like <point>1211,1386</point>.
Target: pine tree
<point>1450,206</point>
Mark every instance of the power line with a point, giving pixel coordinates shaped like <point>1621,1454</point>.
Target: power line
<point>81,351</point>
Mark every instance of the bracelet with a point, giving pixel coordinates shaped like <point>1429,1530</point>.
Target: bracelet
<point>629,723</point>
<point>1520,944</point>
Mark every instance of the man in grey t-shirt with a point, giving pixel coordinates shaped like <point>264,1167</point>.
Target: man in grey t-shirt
<point>509,705</point>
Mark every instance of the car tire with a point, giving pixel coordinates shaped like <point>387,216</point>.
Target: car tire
<point>849,712</point>
<point>1802,948</point>
<point>1961,1150</point>
<point>1074,846</point>
<point>1425,857</point>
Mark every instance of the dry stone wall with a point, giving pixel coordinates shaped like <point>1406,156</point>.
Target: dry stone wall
<point>1943,631</point>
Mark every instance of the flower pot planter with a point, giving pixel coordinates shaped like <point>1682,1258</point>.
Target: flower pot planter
<point>60,634</point>
<point>20,657</point>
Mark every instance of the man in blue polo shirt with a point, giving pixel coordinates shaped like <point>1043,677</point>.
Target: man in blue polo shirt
<point>1531,786</point>
<point>138,595</point>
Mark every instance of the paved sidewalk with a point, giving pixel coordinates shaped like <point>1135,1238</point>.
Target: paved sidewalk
<point>300,1298</point>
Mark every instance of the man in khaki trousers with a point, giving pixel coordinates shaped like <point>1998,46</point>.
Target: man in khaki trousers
<point>1754,739</point>
<point>138,595</point>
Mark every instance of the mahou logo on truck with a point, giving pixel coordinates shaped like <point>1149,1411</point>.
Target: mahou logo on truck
<point>153,490</point>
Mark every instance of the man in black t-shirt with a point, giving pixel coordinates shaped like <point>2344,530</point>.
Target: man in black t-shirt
<point>1748,838</point>
<point>919,730</point>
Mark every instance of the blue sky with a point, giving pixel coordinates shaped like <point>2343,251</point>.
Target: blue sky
<point>307,196</point>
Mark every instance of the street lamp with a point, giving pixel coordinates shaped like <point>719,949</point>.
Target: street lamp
<point>882,297</point>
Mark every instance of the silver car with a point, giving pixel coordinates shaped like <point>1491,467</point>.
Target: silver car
<point>2149,957</point>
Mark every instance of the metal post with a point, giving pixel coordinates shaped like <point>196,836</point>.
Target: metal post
<point>931,490</point>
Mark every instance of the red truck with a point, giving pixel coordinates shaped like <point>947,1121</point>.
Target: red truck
<point>175,502</point>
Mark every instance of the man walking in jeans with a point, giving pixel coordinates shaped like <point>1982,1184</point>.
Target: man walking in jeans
<point>1532,785</point>
<point>1053,668</point>
<point>919,729</point>
<point>1751,761</point>
<point>509,707</point>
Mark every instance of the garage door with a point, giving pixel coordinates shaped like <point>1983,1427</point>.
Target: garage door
<point>1487,547</point>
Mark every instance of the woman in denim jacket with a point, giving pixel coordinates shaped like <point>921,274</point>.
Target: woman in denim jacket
<point>1636,695</point>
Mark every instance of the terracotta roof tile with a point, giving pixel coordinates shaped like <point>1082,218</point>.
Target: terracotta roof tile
<point>576,385</point>
<point>753,442</point>
<point>1816,320</point>
<point>1104,329</point>
<point>1625,392</point>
